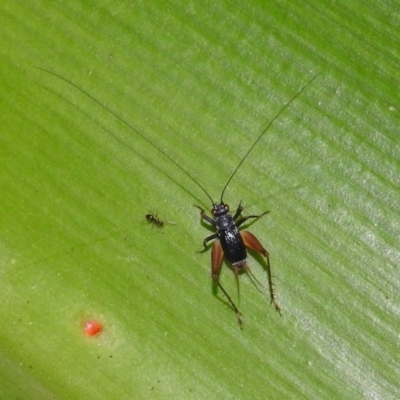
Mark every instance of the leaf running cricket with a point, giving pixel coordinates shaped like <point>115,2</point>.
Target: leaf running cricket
<point>229,241</point>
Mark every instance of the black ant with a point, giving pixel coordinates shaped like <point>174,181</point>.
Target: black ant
<point>153,219</point>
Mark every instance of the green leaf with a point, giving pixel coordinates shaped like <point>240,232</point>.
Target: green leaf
<point>198,82</point>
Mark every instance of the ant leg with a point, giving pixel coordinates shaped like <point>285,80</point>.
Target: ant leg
<point>217,255</point>
<point>252,243</point>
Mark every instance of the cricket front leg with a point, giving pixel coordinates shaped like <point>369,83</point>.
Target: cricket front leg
<point>204,216</point>
<point>238,211</point>
<point>244,219</point>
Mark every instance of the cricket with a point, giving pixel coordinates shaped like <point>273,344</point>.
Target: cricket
<point>229,241</point>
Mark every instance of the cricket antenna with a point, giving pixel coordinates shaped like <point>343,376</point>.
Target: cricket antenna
<point>265,130</point>
<point>131,127</point>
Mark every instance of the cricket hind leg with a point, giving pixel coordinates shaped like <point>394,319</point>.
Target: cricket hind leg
<point>257,284</point>
<point>217,256</point>
<point>252,243</point>
<point>233,305</point>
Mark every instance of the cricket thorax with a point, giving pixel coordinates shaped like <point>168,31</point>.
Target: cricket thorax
<point>223,219</point>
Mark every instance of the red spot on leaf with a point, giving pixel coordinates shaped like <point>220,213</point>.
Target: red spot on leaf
<point>92,328</point>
